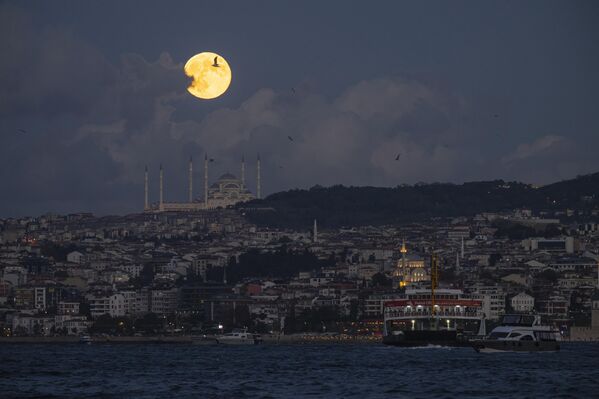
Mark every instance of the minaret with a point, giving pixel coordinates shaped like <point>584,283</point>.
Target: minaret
<point>146,189</point>
<point>458,268</point>
<point>258,188</point>
<point>242,173</point>
<point>403,251</point>
<point>315,233</point>
<point>161,178</point>
<point>462,247</point>
<point>190,180</point>
<point>206,181</point>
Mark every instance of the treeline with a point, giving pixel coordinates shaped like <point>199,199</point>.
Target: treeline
<point>283,264</point>
<point>338,206</point>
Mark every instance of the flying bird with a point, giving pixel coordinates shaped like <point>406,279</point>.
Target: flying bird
<point>397,157</point>
<point>22,130</point>
<point>496,116</point>
<point>215,62</point>
<point>293,90</point>
<point>290,138</point>
<point>211,160</point>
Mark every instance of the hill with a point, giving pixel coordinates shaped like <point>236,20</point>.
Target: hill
<point>354,206</point>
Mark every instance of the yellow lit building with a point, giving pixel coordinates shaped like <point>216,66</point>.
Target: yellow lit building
<point>409,269</point>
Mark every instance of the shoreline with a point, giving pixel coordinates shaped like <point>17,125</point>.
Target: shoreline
<point>211,340</point>
<point>190,340</point>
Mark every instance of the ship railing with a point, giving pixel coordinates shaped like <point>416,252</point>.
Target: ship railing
<point>428,313</point>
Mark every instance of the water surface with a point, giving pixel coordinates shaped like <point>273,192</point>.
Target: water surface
<point>293,371</point>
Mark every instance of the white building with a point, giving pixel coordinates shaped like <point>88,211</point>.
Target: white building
<point>565,244</point>
<point>75,257</point>
<point>493,301</point>
<point>113,305</point>
<point>39,297</point>
<point>164,301</point>
<point>523,303</point>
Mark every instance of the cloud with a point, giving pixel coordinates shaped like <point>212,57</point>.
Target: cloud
<point>548,159</point>
<point>95,124</point>
<point>539,147</point>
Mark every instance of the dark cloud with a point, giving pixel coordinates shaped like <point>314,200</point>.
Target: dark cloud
<point>93,122</point>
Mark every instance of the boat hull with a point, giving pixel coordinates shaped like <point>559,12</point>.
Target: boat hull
<point>493,345</point>
<point>425,338</point>
<point>239,341</point>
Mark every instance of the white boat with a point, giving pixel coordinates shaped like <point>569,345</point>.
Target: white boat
<point>85,339</point>
<point>238,337</point>
<point>519,333</point>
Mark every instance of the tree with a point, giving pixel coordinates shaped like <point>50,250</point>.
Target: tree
<point>381,281</point>
<point>104,324</point>
<point>150,323</point>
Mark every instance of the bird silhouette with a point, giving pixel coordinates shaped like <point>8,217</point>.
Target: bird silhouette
<point>397,157</point>
<point>22,130</point>
<point>215,62</point>
<point>290,138</point>
<point>496,116</point>
<point>293,90</point>
<point>211,159</point>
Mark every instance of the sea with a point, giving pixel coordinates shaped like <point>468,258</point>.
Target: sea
<point>293,371</point>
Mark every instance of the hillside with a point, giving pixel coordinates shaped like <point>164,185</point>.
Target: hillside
<point>352,206</point>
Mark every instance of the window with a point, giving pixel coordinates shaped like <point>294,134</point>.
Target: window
<point>497,335</point>
<point>514,335</point>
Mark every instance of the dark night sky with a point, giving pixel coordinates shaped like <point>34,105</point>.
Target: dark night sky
<point>464,90</point>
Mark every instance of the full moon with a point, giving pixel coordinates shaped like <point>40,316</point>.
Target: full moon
<point>210,73</point>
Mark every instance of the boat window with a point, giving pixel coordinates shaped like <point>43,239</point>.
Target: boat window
<point>496,335</point>
<point>515,334</point>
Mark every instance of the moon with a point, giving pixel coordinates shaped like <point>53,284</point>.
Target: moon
<point>208,80</point>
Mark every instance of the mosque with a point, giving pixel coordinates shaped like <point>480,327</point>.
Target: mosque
<point>226,191</point>
<point>409,269</point>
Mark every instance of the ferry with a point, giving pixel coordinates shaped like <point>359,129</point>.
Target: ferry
<point>238,337</point>
<point>437,317</point>
<point>519,333</point>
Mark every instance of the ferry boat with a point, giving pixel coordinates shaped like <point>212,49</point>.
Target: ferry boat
<point>425,317</point>
<point>238,337</point>
<point>519,333</point>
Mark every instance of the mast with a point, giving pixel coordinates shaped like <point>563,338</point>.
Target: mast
<point>434,280</point>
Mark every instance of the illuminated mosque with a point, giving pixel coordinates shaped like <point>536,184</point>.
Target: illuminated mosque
<point>226,191</point>
<point>409,269</point>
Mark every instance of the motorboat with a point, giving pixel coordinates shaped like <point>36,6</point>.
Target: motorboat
<point>519,333</point>
<point>237,337</point>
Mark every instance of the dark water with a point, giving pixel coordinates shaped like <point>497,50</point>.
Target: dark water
<point>294,371</point>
